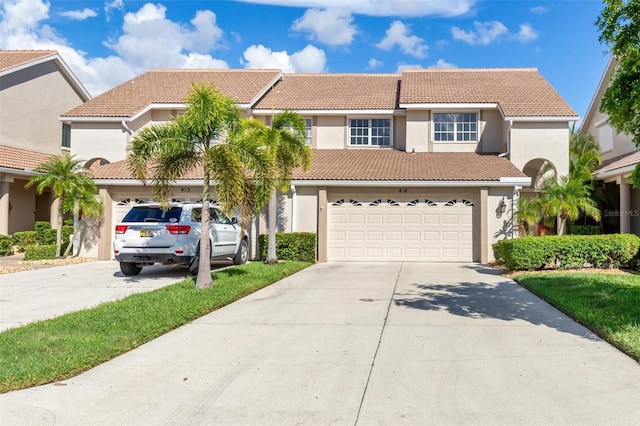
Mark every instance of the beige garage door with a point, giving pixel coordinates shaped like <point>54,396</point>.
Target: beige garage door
<point>391,229</point>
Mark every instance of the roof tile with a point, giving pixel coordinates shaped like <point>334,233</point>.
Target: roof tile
<point>14,58</point>
<point>20,159</point>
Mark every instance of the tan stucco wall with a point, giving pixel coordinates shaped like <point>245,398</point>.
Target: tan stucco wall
<point>400,132</point>
<point>99,140</point>
<point>331,132</point>
<point>622,143</point>
<point>532,140</point>
<point>32,100</point>
<point>498,228</point>
<point>307,209</point>
<point>418,131</point>
<point>22,207</point>
<point>492,136</point>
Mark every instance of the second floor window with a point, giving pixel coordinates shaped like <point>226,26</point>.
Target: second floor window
<point>309,124</point>
<point>66,135</point>
<point>370,132</point>
<point>460,127</point>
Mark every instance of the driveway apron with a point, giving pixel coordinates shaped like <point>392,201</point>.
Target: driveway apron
<point>358,343</point>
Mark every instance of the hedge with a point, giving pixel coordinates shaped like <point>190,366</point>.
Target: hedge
<point>300,246</point>
<point>37,252</point>
<point>583,229</point>
<point>23,239</point>
<point>567,251</point>
<point>6,243</point>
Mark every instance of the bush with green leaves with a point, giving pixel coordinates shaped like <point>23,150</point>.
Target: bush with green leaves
<point>38,252</point>
<point>298,246</point>
<point>6,244</point>
<point>23,239</point>
<point>567,251</point>
<point>583,229</point>
<point>41,228</point>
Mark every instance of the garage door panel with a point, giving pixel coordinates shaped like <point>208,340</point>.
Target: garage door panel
<point>427,229</point>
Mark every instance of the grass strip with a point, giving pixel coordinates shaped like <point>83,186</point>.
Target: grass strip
<point>59,348</point>
<point>607,304</point>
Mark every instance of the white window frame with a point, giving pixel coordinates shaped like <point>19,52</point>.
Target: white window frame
<point>369,118</point>
<point>308,121</point>
<point>455,132</point>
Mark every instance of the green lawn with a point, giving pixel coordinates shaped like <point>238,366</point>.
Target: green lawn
<point>56,349</point>
<point>608,304</point>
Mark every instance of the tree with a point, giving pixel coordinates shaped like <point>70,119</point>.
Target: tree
<point>71,184</point>
<point>286,142</point>
<point>619,25</point>
<point>566,200</point>
<point>584,156</point>
<point>201,137</point>
<point>527,213</point>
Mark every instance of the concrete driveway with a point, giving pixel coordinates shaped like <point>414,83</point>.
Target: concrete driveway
<point>358,344</point>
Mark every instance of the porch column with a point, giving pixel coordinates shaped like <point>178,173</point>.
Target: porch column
<point>322,225</point>
<point>625,207</point>
<point>484,225</point>
<point>105,249</point>
<point>4,208</point>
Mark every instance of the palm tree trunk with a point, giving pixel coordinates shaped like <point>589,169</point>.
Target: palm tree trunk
<point>59,228</point>
<point>204,266</point>
<point>272,212</point>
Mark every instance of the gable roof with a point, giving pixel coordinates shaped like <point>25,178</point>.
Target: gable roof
<point>12,61</point>
<point>594,105</point>
<point>375,165</point>
<point>519,92</point>
<point>312,92</point>
<point>171,86</point>
<point>617,164</point>
<point>20,159</point>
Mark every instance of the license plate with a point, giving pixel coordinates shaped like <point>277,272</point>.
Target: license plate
<point>146,233</point>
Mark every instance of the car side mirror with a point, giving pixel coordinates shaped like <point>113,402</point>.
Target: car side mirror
<point>234,220</point>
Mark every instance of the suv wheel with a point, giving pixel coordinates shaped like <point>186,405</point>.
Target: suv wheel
<point>130,269</point>
<point>242,254</point>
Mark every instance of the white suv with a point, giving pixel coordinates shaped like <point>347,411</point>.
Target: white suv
<point>149,234</point>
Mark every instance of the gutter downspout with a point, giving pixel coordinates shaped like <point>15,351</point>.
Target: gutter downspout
<point>127,128</point>
<point>294,196</point>
<point>504,154</point>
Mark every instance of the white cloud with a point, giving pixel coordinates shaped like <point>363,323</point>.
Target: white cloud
<point>329,26</point>
<point>113,5</point>
<point>527,33</point>
<point>308,60</point>
<point>374,63</point>
<point>149,40</point>
<point>402,66</point>
<point>398,34</point>
<point>401,8</point>
<point>442,64</point>
<point>539,10</point>
<point>79,15</point>
<point>484,33</point>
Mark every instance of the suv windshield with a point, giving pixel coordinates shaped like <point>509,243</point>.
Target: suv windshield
<point>153,214</point>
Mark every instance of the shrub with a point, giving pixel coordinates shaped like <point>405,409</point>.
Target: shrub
<point>567,251</point>
<point>41,228</point>
<point>6,243</point>
<point>298,246</point>
<point>24,238</point>
<point>583,229</point>
<point>37,252</point>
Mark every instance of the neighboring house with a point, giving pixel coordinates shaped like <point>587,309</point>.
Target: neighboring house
<point>423,165</point>
<point>621,205</point>
<point>36,86</point>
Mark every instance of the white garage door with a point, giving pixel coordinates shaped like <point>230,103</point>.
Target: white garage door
<point>422,229</point>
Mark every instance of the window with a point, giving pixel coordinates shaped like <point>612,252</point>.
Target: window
<point>370,132</point>
<point>66,135</point>
<point>309,125</point>
<point>460,127</point>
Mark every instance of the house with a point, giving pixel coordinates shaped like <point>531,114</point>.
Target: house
<point>424,165</point>
<point>36,86</point>
<point>619,158</point>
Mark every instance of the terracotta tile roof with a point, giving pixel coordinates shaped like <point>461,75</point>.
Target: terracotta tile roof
<point>520,92</point>
<point>14,58</point>
<point>333,92</point>
<point>172,86</point>
<point>20,159</point>
<point>625,160</point>
<point>377,165</point>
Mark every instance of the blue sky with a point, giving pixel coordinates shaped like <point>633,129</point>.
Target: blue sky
<point>108,42</point>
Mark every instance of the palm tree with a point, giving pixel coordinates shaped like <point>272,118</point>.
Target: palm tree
<point>584,156</point>
<point>566,200</point>
<point>71,184</point>
<point>286,142</point>
<point>528,213</point>
<point>201,137</point>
